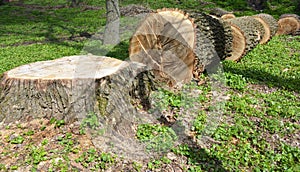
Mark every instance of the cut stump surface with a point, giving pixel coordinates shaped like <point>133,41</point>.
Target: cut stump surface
<point>71,87</point>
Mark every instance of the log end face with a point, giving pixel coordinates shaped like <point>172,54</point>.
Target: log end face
<point>267,30</point>
<point>238,44</point>
<point>164,42</point>
<point>227,16</point>
<point>288,25</point>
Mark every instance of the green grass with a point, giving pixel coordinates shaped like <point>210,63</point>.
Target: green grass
<point>261,114</point>
<point>261,117</point>
<point>274,64</point>
<point>12,57</point>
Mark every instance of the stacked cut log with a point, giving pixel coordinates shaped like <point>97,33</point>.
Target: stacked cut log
<point>214,41</point>
<point>227,16</point>
<point>249,32</point>
<point>170,42</point>
<point>160,40</point>
<point>270,26</point>
<point>289,24</point>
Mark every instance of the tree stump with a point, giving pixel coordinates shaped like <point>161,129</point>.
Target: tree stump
<point>72,87</point>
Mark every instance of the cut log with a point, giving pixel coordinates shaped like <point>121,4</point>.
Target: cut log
<point>71,87</point>
<point>164,41</point>
<point>270,26</point>
<point>227,16</point>
<point>252,30</point>
<point>289,15</point>
<point>288,24</point>
<point>271,21</point>
<point>170,42</point>
<point>214,41</point>
<point>267,34</point>
<point>238,44</point>
<point>219,12</point>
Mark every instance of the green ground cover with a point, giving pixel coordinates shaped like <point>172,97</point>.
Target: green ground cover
<point>260,127</point>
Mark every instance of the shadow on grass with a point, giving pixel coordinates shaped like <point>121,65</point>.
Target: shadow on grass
<point>201,159</point>
<point>263,77</point>
<point>30,26</point>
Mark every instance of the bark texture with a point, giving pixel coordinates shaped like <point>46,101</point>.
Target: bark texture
<point>270,21</point>
<point>219,12</point>
<point>267,31</point>
<point>239,44</point>
<point>290,15</point>
<point>214,41</point>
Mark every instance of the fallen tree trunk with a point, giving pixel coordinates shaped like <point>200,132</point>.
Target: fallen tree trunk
<point>72,87</point>
<point>288,24</point>
<point>180,47</point>
<point>270,26</point>
<point>252,31</point>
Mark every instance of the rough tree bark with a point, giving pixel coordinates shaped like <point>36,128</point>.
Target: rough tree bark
<point>111,33</point>
<point>214,41</point>
<point>219,12</point>
<point>238,44</point>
